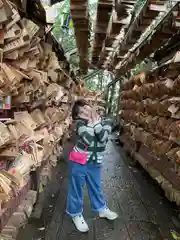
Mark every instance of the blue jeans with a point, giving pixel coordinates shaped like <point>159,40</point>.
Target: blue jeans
<point>89,174</point>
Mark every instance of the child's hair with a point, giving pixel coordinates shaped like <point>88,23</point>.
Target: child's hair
<point>75,109</point>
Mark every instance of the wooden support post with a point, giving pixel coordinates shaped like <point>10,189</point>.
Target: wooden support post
<point>24,4</point>
<point>111,98</point>
<point>80,17</point>
<point>104,9</point>
<point>106,99</point>
<point>118,103</point>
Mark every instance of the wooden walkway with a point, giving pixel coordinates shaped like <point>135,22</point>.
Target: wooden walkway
<point>144,212</point>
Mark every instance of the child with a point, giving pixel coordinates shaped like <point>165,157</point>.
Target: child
<point>93,135</point>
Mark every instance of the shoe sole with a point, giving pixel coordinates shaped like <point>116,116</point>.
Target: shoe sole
<point>85,231</point>
<point>110,219</point>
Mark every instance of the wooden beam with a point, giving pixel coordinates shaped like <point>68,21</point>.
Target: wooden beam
<point>141,22</point>
<point>113,31</point>
<point>111,98</point>
<point>80,17</point>
<point>119,20</point>
<point>104,10</point>
<point>119,101</point>
<point>153,41</point>
<point>106,99</point>
<point>169,49</point>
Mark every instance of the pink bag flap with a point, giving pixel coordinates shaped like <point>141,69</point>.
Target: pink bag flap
<point>79,157</point>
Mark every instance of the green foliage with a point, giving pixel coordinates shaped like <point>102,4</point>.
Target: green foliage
<point>137,8</point>
<point>98,81</point>
<point>65,35</point>
<point>138,5</point>
<point>115,99</point>
<point>142,67</point>
<point>67,38</point>
<point>74,61</point>
<point>93,83</point>
<point>92,11</point>
<point>63,27</point>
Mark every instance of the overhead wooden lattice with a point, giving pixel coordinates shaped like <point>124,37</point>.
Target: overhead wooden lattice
<point>148,13</point>
<point>104,10</point>
<point>166,28</point>
<point>168,50</point>
<point>31,9</point>
<point>119,20</point>
<point>80,17</point>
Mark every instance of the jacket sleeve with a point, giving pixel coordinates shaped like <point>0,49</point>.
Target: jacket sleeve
<point>85,132</point>
<point>102,130</point>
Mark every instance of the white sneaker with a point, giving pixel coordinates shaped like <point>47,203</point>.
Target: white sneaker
<point>80,223</point>
<point>107,213</point>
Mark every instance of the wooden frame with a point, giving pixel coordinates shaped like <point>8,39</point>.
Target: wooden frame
<point>104,10</point>
<point>80,17</point>
<point>153,41</point>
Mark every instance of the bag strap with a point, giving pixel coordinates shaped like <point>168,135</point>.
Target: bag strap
<point>86,148</point>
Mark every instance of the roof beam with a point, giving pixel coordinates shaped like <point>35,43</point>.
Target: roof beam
<point>104,10</point>
<point>120,19</point>
<point>169,49</point>
<point>80,17</point>
<point>165,29</point>
<point>144,19</point>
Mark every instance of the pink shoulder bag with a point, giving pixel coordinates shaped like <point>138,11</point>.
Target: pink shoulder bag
<point>79,157</point>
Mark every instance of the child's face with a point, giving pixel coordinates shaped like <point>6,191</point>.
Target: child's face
<point>85,112</point>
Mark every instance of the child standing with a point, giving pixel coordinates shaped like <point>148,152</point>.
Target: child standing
<point>92,137</point>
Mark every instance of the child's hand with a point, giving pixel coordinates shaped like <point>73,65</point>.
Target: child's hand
<point>95,116</point>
